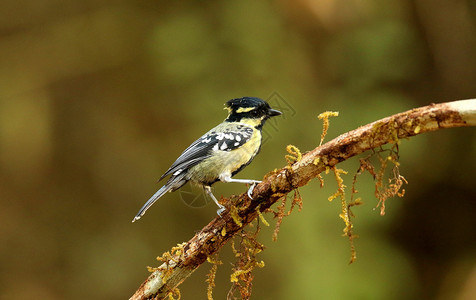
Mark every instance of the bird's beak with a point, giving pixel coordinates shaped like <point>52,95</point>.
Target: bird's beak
<point>274,112</point>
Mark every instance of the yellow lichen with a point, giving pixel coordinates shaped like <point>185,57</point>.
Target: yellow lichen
<point>297,200</point>
<point>248,268</point>
<point>234,276</point>
<point>211,281</point>
<point>388,129</point>
<point>279,215</point>
<point>178,252</point>
<point>174,293</point>
<point>169,259</point>
<point>211,276</point>
<point>341,193</point>
<point>294,155</point>
<point>280,212</point>
<point>233,248</point>
<point>345,214</point>
<point>152,269</point>
<point>321,180</point>
<point>261,217</point>
<point>383,191</point>
<point>273,186</point>
<point>316,161</point>
<point>325,122</point>
<point>395,182</point>
<point>235,216</point>
<point>242,276</point>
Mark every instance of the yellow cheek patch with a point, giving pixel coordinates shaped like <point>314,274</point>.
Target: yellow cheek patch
<point>244,109</point>
<point>252,122</point>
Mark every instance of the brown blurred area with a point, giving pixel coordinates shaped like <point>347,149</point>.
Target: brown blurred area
<point>97,99</point>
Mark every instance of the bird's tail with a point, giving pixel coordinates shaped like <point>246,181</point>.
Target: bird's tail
<point>174,183</point>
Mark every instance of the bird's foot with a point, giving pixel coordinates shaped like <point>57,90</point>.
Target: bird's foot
<point>252,187</point>
<point>221,210</point>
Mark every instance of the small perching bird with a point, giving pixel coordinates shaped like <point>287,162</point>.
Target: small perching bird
<point>220,153</point>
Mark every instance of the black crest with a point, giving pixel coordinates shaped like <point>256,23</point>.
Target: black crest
<point>246,102</point>
<point>247,107</point>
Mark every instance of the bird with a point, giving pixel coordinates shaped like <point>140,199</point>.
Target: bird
<point>220,153</point>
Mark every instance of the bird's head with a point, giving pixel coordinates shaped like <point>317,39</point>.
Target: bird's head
<point>250,110</point>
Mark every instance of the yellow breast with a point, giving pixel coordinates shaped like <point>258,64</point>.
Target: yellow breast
<point>226,162</point>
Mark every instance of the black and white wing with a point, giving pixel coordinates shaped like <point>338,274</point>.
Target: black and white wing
<point>217,139</point>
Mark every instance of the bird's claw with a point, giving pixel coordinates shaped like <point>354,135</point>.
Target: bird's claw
<point>221,210</point>
<point>252,187</point>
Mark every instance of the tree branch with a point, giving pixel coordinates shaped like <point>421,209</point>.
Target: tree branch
<point>278,183</point>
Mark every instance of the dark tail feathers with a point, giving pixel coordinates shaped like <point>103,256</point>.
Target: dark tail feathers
<point>172,184</point>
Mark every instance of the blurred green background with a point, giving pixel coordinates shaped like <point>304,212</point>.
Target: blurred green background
<point>98,98</point>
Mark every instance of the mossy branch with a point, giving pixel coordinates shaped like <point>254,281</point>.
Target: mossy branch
<point>164,280</point>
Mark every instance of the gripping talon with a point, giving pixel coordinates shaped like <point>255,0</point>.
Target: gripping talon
<point>221,210</point>
<point>252,187</point>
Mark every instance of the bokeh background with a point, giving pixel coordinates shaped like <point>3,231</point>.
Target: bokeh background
<point>98,98</point>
